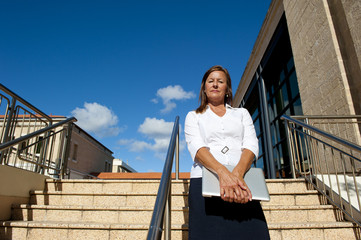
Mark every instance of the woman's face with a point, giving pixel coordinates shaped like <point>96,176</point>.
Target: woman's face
<point>216,87</point>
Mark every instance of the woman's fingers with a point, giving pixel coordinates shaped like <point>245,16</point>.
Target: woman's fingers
<point>245,188</point>
<point>233,189</point>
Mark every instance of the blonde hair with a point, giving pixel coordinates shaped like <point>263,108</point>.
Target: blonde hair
<point>203,97</point>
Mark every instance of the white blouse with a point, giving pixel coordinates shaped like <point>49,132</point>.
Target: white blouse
<point>225,136</point>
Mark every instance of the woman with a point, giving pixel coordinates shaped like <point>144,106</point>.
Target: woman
<point>219,135</point>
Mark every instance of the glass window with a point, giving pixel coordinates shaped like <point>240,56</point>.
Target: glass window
<point>297,107</point>
<point>285,95</point>
<point>282,76</point>
<point>40,144</point>
<point>282,93</point>
<point>293,85</point>
<point>290,64</point>
<point>257,127</point>
<point>75,152</point>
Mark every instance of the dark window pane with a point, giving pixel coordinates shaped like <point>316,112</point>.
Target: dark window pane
<point>293,85</point>
<point>285,95</point>
<point>257,127</point>
<point>282,76</point>
<point>290,64</point>
<point>297,107</point>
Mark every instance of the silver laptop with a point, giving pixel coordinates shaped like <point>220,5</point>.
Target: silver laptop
<point>254,179</point>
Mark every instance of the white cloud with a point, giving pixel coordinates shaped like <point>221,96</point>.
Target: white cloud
<point>171,93</point>
<point>97,119</point>
<point>156,128</point>
<point>135,145</point>
<point>158,132</point>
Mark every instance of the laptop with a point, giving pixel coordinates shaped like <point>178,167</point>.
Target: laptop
<point>254,179</point>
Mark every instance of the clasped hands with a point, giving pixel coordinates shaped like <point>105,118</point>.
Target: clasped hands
<point>233,187</point>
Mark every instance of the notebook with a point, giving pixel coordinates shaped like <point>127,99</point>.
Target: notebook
<point>254,179</point>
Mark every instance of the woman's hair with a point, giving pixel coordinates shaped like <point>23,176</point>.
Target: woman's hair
<point>202,95</point>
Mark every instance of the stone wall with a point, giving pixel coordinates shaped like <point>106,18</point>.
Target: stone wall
<point>346,16</point>
<point>15,185</point>
<point>323,84</point>
<point>324,40</point>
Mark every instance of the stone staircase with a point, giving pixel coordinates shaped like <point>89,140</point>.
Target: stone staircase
<point>122,209</point>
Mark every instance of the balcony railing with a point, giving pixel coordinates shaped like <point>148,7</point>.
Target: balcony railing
<point>328,162</point>
<point>29,139</point>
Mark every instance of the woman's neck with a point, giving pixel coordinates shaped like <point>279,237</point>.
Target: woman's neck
<point>219,109</point>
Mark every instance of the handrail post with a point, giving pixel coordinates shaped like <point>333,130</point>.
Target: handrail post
<point>292,160</point>
<point>7,128</point>
<point>168,215</point>
<point>177,157</point>
<point>65,156</point>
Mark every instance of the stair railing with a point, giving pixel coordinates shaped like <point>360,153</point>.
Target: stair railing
<point>329,163</point>
<point>38,155</point>
<point>162,206</point>
<point>28,138</point>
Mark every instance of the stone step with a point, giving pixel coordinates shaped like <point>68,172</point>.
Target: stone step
<point>309,197</point>
<point>178,186</point>
<point>314,231</point>
<point>286,185</point>
<point>114,186</point>
<point>125,215</point>
<point>131,215</point>
<point>59,230</point>
<point>109,199</point>
<point>64,230</point>
<point>143,199</point>
<point>306,213</point>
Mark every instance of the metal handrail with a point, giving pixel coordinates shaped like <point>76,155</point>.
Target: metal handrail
<point>16,141</point>
<point>322,133</point>
<point>325,117</point>
<point>164,190</point>
<point>324,164</point>
<point>26,103</point>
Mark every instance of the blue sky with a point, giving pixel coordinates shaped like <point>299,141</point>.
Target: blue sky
<point>125,69</point>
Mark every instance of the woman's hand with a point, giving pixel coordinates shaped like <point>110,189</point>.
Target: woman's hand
<point>233,188</point>
<point>247,195</point>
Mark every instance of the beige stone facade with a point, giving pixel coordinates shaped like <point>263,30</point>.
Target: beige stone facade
<point>324,82</point>
<point>325,39</point>
<point>327,62</point>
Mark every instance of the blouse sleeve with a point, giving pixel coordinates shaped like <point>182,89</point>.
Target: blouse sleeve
<point>193,135</point>
<point>250,140</point>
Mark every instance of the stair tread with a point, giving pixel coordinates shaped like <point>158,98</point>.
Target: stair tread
<point>87,225</point>
<point>306,225</point>
<point>98,225</point>
<point>135,208</point>
<point>41,192</point>
<point>151,193</point>
<point>91,207</point>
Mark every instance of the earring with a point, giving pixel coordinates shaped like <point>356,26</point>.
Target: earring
<point>226,95</point>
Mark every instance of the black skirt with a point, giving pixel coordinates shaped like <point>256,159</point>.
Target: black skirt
<point>213,218</point>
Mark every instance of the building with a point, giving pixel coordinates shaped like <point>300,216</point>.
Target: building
<point>119,166</point>
<point>86,154</point>
<point>306,61</point>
